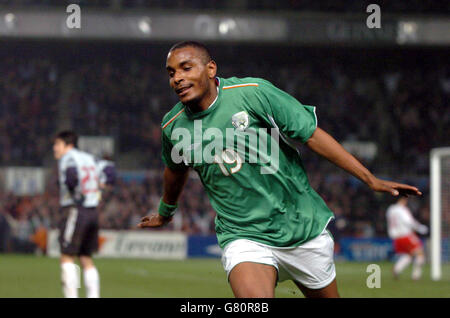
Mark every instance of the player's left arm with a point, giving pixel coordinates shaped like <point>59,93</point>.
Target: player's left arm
<point>174,181</point>
<point>326,146</point>
<point>71,178</point>
<point>414,224</point>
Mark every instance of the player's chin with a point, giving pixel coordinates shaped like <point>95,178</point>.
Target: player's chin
<point>189,98</point>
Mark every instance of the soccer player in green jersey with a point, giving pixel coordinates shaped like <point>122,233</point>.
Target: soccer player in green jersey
<point>270,223</point>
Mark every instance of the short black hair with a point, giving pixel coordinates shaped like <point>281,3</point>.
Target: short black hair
<point>69,137</point>
<point>200,46</point>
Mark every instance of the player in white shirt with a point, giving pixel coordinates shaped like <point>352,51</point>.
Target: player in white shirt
<point>401,229</point>
<point>78,176</point>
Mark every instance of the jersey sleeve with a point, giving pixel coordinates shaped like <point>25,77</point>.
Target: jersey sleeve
<point>413,223</point>
<point>295,120</point>
<point>166,154</point>
<point>67,164</point>
<point>71,178</point>
<point>406,218</point>
<point>106,171</point>
<point>110,174</point>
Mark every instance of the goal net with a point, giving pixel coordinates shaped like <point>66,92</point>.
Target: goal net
<point>440,210</point>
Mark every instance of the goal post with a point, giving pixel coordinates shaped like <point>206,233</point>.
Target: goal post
<point>440,209</point>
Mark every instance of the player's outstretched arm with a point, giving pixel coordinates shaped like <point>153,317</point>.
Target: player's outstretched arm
<point>173,183</point>
<point>326,146</point>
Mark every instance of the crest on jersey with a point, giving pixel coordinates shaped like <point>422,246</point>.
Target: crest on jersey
<point>240,120</point>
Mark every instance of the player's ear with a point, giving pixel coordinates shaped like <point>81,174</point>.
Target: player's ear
<point>212,69</point>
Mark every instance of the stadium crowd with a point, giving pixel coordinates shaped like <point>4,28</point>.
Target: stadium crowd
<point>359,212</point>
<point>28,96</point>
<point>357,98</point>
<point>402,109</point>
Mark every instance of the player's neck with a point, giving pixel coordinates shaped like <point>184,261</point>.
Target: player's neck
<point>67,150</point>
<point>207,100</point>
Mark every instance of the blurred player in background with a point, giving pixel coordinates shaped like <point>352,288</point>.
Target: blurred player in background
<point>106,171</point>
<point>401,229</point>
<point>271,227</point>
<point>78,176</point>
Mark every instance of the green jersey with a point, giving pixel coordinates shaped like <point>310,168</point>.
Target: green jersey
<point>253,176</point>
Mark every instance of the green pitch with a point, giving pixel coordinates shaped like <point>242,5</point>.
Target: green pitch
<point>33,276</point>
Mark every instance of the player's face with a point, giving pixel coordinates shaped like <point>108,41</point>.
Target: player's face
<point>189,76</point>
<point>59,148</point>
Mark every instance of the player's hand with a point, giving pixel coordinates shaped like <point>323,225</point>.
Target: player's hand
<point>393,188</point>
<point>153,220</point>
<point>422,229</point>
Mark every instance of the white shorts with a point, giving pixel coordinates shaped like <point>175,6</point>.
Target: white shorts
<point>311,264</point>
